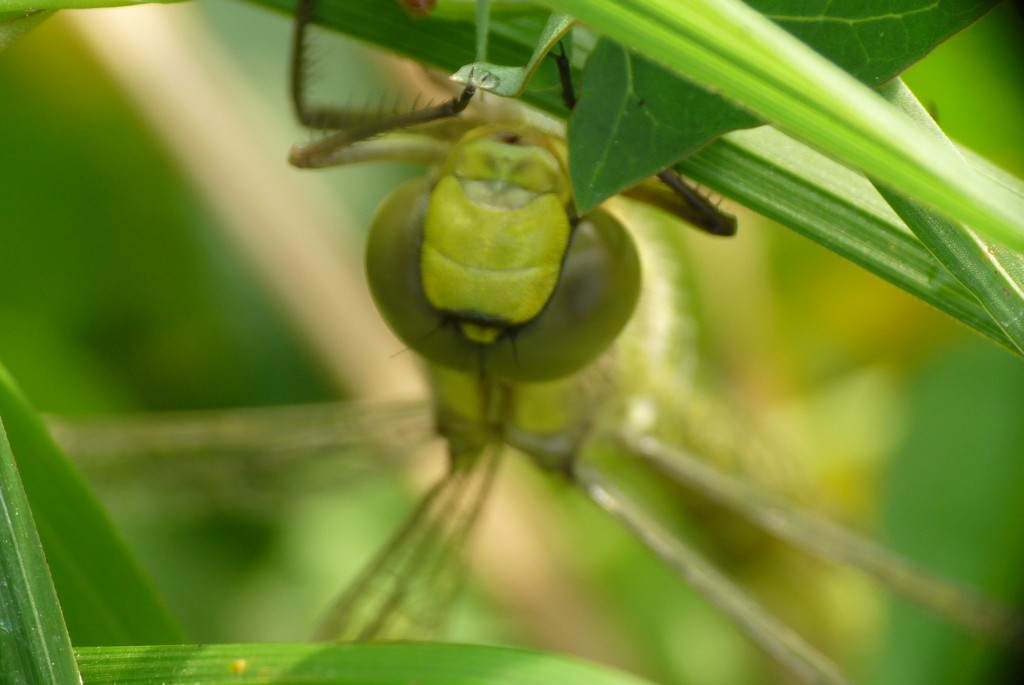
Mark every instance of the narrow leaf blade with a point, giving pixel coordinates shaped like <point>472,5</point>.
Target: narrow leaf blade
<point>34,642</point>
<point>835,207</point>
<point>993,274</point>
<point>340,664</point>
<point>32,5</point>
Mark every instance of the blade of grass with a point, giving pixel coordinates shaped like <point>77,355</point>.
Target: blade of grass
<point>105,597</point>
<point>725,45</point>
<point>809,193</point>
<point>994,274</point>
<point>34,642</point>
<point>340,664</point>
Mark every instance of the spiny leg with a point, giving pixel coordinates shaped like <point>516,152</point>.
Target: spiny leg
<point>695,209</point>
<point>831,542</point>
<point>565,76</point>
<point>350,126</point>
<point>774,637</point>
<point>698,211</point>
<point>307,116</point>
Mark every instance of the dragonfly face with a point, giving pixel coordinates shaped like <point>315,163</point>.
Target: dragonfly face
<point>486,270</point>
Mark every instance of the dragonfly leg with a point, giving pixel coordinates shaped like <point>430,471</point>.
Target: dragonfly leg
<point>350,126</point>
<point>565,76</point>
<point>698,211</point>
<point>831,542</point>
<point>773,636</point>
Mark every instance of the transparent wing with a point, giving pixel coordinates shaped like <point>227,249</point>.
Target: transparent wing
<point>407,591</point>
<point>246,453</point>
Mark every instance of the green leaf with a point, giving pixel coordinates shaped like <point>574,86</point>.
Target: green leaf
<point>105,597</point>
<point>34,642</point>
<point>436,40</point>
<point>873,41</point>
<point>726,46</point>
<point>358,664</point>
<point>635,118</point>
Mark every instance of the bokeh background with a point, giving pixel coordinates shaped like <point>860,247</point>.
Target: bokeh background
<point>126,285</point>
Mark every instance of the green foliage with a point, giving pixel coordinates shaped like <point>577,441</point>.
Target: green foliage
<point>638,117</point>
<point>727,46</point>
<point>34,643</point>
<point>635,118</point>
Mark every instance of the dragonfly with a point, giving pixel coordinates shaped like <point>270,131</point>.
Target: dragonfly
<point>596,402</point>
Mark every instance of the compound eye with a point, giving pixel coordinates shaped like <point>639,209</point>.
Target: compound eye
<point>595,297</point>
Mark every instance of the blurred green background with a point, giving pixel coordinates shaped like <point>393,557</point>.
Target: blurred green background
<point>120,292</point>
